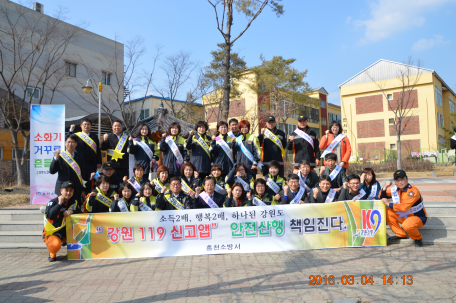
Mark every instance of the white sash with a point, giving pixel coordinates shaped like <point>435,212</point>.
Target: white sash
<point>135,184</point>
<point>117,152</point>
<point>244,184</point>
<point>220,189</point>
<point>358,196</point>
<point>87,140</point>
<point>172,145</point>
<point>144,207</point>
<point>333,144</point>
<point>335,172</point>
<point>258,202</point>
<point>298,196</point>
<point>225,148</point>
<point>272,185</point>
<point>174,202</point>
<point>244,149</point>
<point>395,195</point>
<point>330,196</point>
<point>158,187</point>
<point>302,182</point>
<point>373,191</point>
<point>187,189</point>
<point>122,204</point>
<point>146,149</point>
<point>411,210</point>
<point>230,133</point>
<point>73,164</point>
<point>454,137</point>
<point>304,136</point>
<point>208,200</point>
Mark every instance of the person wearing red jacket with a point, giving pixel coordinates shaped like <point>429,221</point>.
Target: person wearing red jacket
<point>342,149</point>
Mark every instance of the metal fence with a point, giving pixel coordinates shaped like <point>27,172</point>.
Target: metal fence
<point>382,155</point>
<point>27,170</point>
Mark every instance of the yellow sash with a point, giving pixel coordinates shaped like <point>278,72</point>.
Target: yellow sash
<point>276,141</point>
<point>174,202</point>
<point>203,144</point>
<point>73,164</point>
<point>87,140</point>
<point>51,229</point>
<point>117,152</point>
<point>102,198</point>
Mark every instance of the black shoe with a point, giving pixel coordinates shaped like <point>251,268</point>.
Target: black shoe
<point>418,243</point>
<point>64,244</point>
<point>52,259</point>
<point>392,238</point>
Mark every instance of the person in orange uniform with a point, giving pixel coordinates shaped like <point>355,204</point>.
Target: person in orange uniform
<point>342,149</point>
<point>57,210</point>
<point>406,208</point>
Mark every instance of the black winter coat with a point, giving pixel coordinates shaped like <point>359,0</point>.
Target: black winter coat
<point>198,156</point>
<point>321,196</point>
<point>270,151</point>
<point>111,143</point>
<point>220,157</point>
<point>303,150</point>
<point>169,159</point>
<point>141,157</point>
<point>219,199</point>
<point>162,203</point>
<point>54,212</point>
<point>67,173</point>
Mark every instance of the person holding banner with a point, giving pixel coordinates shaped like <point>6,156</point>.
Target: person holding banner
<point>88,146</point>
<point>273,143</point>
<point>199,146</point>
<point>237,196</point>
<point>334,141</point>
<point>351,190</point>
<point>239,174</point>
<point>261,197</point>
<point>304,144</point>
<point>246,149</point>
<point>208,198</point>
<point>117,146</point>
<point>161,181</point>
<point>407,208</point>
<point>69,166</point>
<point>189,182</point>
<point>274,182</point>
<point>222,152</point>
<point>123,201</point>
<point>57,210</point>
<point>145,201</point>
<point>369,184</point>
<point>174,199</point>
<point>334,171</point>
<point>293,193</point>
<point>100,199</point>
<point>144,149</point>
<point>323,193</point>
<point>307,177</point>
<point>172,145</point>
<point>137,180</point>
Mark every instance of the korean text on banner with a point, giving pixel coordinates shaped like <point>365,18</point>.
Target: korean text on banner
<point>47,134</point>
<point>226,230</point>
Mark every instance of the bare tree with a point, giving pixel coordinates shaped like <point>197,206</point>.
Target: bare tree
<point>33,50</point>
<point>402,104</point>
<point>250,9</point>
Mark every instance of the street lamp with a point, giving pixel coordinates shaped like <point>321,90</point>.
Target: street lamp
<point>88,89</point>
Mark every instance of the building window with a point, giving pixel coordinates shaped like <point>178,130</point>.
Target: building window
<point>334,117</point>
<point>391,121</point>
<point>106,78</point>
<point>1,153</point>
<point>323,121</point>
<point>440,120</point>
<point>144,114</point>
<point>70,69</point>
<point>313,114</point>
<point>392,146</point>
<point>438,98</point>
<point>451,106</point>
<point>287,127</point>
<point>389,96</point>
<point>322,104</point>
<point>21,152</point>
<point>35,92</point>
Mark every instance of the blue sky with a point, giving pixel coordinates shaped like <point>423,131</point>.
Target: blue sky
<point>333,40</point>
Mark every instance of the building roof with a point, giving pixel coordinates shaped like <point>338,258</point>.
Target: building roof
<point>322,90</point>
<point>335,105</point>
<point>161,121</point>
<point>161,98</point>
<point>385,69</point>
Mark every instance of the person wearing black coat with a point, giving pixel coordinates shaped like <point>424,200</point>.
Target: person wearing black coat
<point>163,203</point>
<point>57,210</point>
<point>209,188</point>
<point>65,172</point>
<point>219,156</point>
<point>240,170</point>
<point>292,189</point>
<point>168,158</point>
<point>320,193</point>
<point>141,156</point>
<point>89,147</point>
<point>199,156</point>
<point>93,205</point>
<point>351,190</point>
<point>302,149</point>
<point>305,172</point>
<point>339,180</point>
<point>271,151</point>
<point>126,194</point>
<point>237,197</point>
<point>188,176</point>
<point>109,144</point>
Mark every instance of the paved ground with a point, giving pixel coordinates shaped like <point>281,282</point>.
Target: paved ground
<point>265,277</point>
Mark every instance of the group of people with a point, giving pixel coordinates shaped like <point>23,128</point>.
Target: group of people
<point>206,171</point>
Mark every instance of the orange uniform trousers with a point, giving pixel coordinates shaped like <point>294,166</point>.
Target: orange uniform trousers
<point>53,244</point>
<point>410,225</point>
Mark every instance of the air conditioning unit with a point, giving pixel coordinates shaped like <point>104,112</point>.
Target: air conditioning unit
<point>38,7</point>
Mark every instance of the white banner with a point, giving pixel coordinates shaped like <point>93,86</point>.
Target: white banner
<point>47,134</point>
